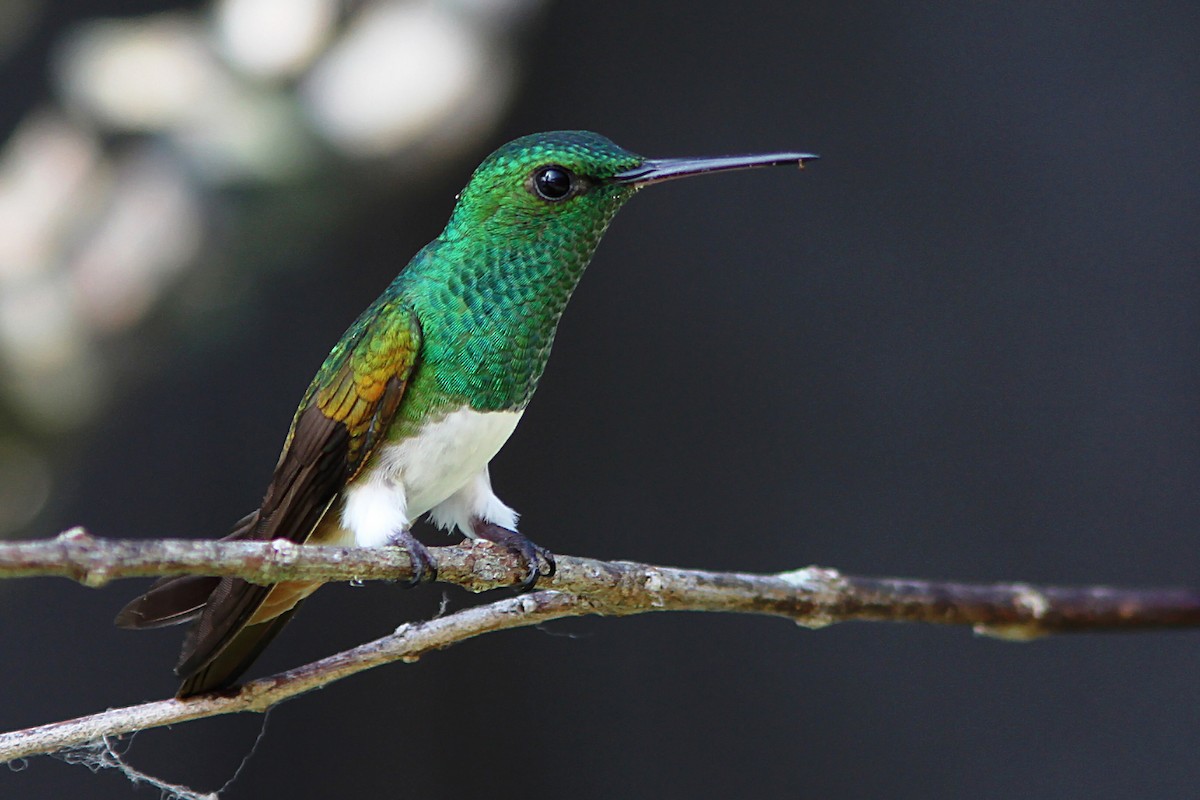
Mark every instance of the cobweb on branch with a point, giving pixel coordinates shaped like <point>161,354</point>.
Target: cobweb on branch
<point>102,755</point>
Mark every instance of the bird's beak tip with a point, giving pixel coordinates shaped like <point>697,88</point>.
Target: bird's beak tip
<point>659,170</point>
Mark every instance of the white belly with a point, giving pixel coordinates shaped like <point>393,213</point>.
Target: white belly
<point>414,476</point>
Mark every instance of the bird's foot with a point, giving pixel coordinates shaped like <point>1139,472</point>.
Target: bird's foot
<point>424,568</point>
<point>539,562</point>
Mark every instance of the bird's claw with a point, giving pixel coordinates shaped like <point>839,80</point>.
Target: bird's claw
<point>424,568</point>
<point>539,562</point>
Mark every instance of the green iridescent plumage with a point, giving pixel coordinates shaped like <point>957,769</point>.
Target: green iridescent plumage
<point>409,407</point>
<point>490,289</point>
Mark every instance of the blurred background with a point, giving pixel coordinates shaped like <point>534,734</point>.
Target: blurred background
<point>966,344</point>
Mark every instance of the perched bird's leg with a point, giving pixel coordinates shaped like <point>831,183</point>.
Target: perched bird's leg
<point>533,554</point>
<point>423,566</point>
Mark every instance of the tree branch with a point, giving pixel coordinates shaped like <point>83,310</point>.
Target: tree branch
<point>408,643</point>
<point>812,597</point>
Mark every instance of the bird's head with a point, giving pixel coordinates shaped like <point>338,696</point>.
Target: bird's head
<point>542,182</point>
<point>548,183</point>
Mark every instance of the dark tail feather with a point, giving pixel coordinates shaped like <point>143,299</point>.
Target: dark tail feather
<point>172,601</point>
<point>235,657</point>
<point>169,601</point>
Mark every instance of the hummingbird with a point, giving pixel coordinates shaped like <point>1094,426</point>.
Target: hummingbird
<point>424,388</point>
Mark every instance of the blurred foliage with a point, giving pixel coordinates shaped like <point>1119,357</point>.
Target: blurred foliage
<point>201,137</point>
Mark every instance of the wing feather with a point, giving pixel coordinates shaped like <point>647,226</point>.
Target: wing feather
<point>343,418</point>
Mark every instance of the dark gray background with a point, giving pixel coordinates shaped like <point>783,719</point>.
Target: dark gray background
<point>964,344</point>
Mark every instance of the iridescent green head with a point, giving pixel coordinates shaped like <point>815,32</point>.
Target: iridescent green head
<point>542,182</point>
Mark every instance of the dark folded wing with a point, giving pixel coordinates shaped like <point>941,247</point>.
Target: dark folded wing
<point>343,418</point>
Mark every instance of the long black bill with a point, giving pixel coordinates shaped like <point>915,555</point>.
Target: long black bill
<point>668,169</point>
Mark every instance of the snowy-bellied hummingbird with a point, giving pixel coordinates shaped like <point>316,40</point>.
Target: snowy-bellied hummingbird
<point>425,387</point>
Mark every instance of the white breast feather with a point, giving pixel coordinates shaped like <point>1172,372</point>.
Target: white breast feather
<point>418,474</point>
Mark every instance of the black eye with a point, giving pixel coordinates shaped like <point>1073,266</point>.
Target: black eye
<point>553,182</point>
